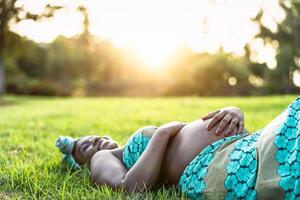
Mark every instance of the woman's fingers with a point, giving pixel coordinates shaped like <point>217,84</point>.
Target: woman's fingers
<point>233,124</point>
<point>223,124</point>
<point>241,127</point>
<point>215,119</point>
<point>210,115</point>
<point>235,131</point>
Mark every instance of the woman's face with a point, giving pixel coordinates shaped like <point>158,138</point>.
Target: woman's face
<point>86,147</point>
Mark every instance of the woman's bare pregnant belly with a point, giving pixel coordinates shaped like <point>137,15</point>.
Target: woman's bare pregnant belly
<point>185,146</point>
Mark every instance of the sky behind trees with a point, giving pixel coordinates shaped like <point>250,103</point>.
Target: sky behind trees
<point>155,28</point>
<point>131,47</point>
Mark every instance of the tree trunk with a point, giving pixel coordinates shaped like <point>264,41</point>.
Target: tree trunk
<point>2,78</point>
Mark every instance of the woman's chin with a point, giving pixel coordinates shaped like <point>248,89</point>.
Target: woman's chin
<point>108,145</point>
<point>115,145</point>
<point>112,146</point>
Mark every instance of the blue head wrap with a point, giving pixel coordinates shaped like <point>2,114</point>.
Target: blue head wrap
<point>66,145</point>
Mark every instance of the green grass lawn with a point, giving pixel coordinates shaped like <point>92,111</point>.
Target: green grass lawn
<point>30,165</point>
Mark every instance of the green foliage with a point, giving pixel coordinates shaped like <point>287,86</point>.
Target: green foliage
<point>86,65</point>
<point>69,66</point>
<point>205,74</point>
<point>30,163</point>
<point>280,79</point>
<point>9,13</point>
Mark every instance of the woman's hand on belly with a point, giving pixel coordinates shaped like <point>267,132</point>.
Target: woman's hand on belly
<point>231,121</point>
<point>185,146</point>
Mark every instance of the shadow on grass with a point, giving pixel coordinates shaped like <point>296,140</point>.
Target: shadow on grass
<point>4,102</point>
<point>8,100</point>
<point>11,100</point>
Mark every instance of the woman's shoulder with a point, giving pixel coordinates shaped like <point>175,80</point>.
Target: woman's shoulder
<point>141,135</point>
<point>146,131</point>
<point>106,168</point>
<point>117,153</point>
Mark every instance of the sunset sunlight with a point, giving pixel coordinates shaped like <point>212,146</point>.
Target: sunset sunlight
<point>155,28</point>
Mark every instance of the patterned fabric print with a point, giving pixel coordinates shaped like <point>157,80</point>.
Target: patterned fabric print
<point>287,142</point>
<point>134,148</point>
<point>241,169</point>
<point>192,179</point>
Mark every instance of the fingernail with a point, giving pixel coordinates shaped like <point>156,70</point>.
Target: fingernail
<point>228,133</point>
<point>207,127</point>
<point>218,132</point>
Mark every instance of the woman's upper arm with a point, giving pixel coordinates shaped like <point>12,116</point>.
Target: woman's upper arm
<point>106,169</point>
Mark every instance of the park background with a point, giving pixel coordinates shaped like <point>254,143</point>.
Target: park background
<point>79,67</point>
<point>149,48</point>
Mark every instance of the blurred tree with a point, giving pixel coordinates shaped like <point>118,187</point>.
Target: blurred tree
<point>9,11</point>
<point>205,74</point>
<point>287,35</point>
<point>85,36</point>
<point>25,63</point>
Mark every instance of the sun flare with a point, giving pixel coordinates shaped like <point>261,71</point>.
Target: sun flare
<point>154,28</point>
<point>154,52</point>
<point>153,57</point>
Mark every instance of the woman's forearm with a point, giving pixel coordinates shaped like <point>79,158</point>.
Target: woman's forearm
<point>145,171</point>
<point>107,169</point>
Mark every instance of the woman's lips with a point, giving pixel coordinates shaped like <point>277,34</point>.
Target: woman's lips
<point>106,144</point>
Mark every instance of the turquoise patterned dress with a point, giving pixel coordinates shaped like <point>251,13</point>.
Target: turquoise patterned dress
<point>261,165</point>
<point>136,146</point>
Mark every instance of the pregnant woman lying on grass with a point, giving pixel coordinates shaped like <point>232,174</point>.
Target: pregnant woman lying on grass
<point>213,158</point>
